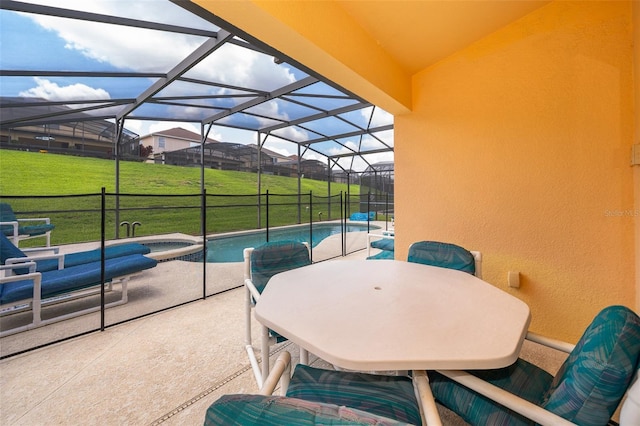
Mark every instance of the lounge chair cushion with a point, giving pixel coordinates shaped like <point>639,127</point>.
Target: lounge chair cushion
<point>275,257</point>
<point>383,244</point>
<point>29,229</point>
<point>444,255</point>
<point>10,251</point>
<point>258,410</point>
<point>388,396</point>
<point>7,215</point>
<point>384,254</point>
<point>79,258</point>
<point>521,378</point>
<point>75,278</point>
<point>361,216</point>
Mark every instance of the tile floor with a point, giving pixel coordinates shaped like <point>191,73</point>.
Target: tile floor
<point>163,369</point>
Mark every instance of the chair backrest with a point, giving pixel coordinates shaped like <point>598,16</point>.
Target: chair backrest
<point>275,257</point>
<point>8,250</point>
<point>6,215</point>
<point>445,255</point>
<point>595,376</point>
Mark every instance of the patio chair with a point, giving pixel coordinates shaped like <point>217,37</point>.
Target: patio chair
<point>586,390</point>
<point>33,290</point>
<point>446,255</point>
<point>260,264</point>
<point>318,396</point>
<point>10,254</point>
<point>13,227</point>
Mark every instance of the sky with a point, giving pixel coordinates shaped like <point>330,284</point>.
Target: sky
<point>35,42</point>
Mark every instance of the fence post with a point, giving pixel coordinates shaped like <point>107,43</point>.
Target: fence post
<point>311,224</point>
<point>267,215</point>
<point>203,227</point>
<point>102,259</point>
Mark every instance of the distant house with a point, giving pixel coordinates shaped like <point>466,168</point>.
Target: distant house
<point>171,140</point>
<point>85,137</point>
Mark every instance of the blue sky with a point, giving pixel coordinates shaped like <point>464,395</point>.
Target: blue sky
<point>41,42</point>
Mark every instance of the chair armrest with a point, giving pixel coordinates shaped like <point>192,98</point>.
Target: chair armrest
<point>14,224</point>
<point>36,219</point>
<point>281,372</point>
<point>558,345</point>
<point>22,260</point>
<point>30,265</point>
<point>252,289</point>
<point>53,249</point>
<point>507,399</point>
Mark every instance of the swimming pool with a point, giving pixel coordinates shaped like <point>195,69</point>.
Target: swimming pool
<point>229,248</point>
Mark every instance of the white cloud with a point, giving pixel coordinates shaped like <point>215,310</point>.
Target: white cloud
<point>52,91</point>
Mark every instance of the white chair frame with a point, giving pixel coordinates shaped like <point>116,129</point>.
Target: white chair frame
<point>35,303</point>
<point>16,237</point>
<point>266,341</point>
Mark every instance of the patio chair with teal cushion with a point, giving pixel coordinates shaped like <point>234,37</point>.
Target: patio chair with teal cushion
<point>446,255</point>
<point>260,264</point>
<point>10,254</point>
<point>33,290</point>
<point>18,230</point>
<point>587,389</point>
<point>317,396</point>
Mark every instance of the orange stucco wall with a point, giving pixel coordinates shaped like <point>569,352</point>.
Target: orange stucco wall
<point>519,145</point>
<point>636,139</point>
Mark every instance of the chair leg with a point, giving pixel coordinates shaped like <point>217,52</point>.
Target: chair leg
<point>247,317</point>
<point>265,351</point>
<point>254,366</point>
<point>304,356</point>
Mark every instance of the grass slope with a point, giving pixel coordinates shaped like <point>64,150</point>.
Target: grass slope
<point>163,198</point>
<point>32,173</point>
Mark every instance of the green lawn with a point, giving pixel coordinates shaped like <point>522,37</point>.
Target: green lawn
<point>163,198</point>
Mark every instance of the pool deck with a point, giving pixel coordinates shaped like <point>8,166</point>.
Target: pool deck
<point>166,368</point>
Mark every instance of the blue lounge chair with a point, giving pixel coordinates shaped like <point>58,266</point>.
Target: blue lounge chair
<point>13,227</point>
<point>384,242</point>
<point>35,289</point>
<point>10,254</point>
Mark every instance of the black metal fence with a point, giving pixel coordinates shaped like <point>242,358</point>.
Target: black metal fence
<point>164,223</point>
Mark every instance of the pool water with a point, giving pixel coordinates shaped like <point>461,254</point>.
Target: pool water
<point>229,249</point>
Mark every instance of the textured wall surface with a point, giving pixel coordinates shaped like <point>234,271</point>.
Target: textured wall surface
<point>520,147</point>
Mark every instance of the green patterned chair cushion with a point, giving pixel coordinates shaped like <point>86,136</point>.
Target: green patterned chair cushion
<point>590,384</point>
<point>258,410</point>
<point>444,255</point>
<point>275,257</point>
<point>521,378</point>
<point>586,390</point>
<point>388,396</point>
